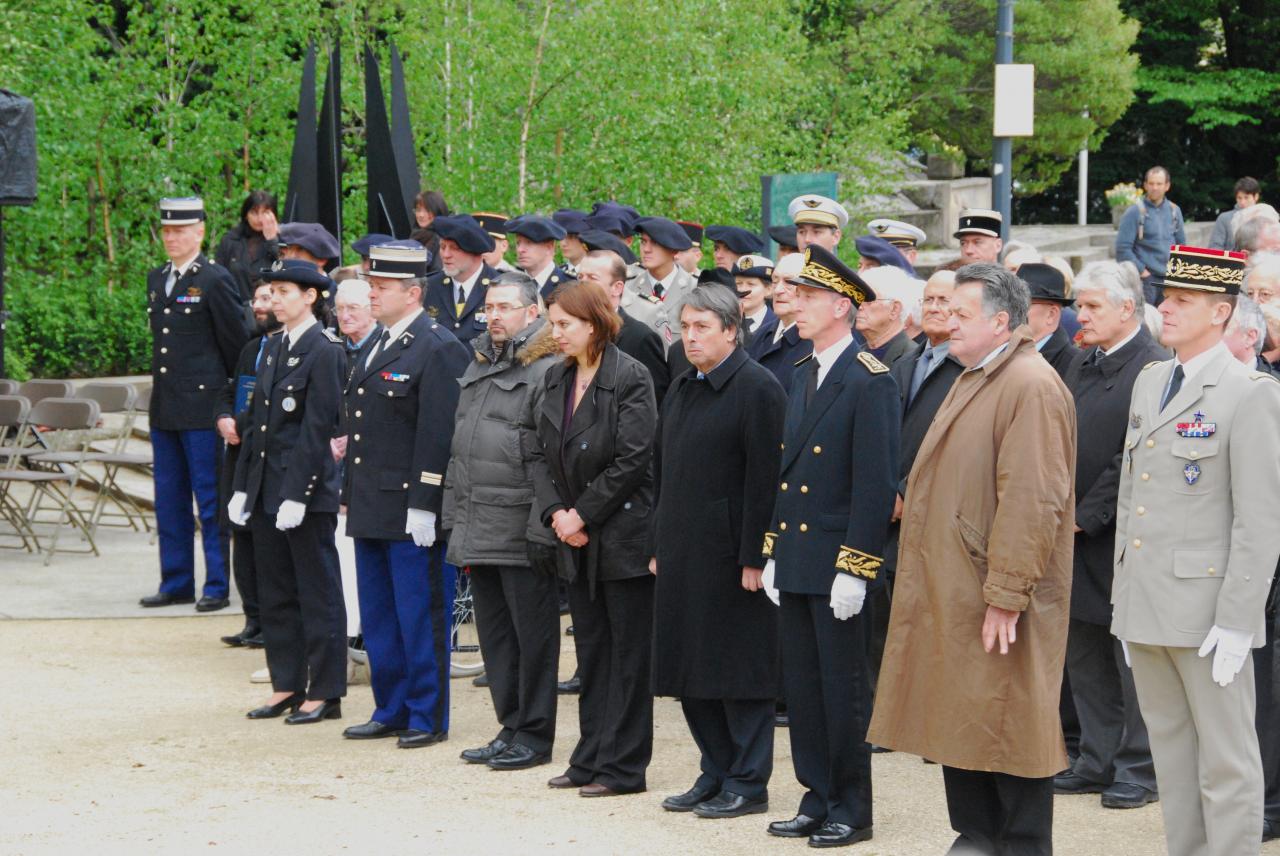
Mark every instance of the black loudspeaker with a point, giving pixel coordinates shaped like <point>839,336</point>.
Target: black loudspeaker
<point>17,149</point>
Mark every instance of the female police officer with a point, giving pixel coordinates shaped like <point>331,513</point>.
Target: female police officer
<point>286,485</point>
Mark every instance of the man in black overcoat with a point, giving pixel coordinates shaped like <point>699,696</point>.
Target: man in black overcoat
<point>1115,754</point>
<point>716,647</point>
<point>1050,295</point>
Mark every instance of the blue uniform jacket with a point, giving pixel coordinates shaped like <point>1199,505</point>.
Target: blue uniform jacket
<point>779,357</point>
<point>438,300</point>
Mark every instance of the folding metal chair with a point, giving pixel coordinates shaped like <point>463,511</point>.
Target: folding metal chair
<point>68,424</point>
<point>119,400</point>
<point>38,390</point>
<point>8,387</point>
<point>14,431</point>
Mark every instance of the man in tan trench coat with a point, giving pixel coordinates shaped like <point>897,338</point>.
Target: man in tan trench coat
<point>978,633</point>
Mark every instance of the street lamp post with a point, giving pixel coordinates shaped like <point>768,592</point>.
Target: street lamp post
<point>1002,153</point>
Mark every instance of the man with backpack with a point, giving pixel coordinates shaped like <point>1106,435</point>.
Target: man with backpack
<point>1148,229</point>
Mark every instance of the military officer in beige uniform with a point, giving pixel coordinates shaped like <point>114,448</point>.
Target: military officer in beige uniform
<point>1196,546</point>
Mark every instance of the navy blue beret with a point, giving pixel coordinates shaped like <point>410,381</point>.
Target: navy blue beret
<point>535,228</point>
<point>312,237</point>
<point>611,223</point>
<point>363,245</point>
<point>879,250</point>
<point>664,232</point>
<point>625,213</point>
<point>598,240</point>
<point>299,271</point>
<point>784,236</point>
<point>736,238</point>
<point>464,231</point>
<point>571,220</point>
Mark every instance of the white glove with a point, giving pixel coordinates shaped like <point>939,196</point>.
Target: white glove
<point>1233,647</point>
<point>1124,646</point>
<point>289,515</point>
<point>766,581</point>
<point>847,594</point>
<point>236,511</point>
<point>422,526</point>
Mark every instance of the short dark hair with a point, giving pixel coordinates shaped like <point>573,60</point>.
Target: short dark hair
<point>589,302</point>
<point>1157,168</point>
<point>1002,291</point>
<point>527,285</point>
<point>1249,185</point>
<point>257,199</point>
<point>721,302</point>
<point>433,201</point>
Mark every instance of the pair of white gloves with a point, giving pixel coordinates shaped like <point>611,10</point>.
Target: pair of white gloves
<point>1229,647</point>
<point>847,592</point>
<point>421,525</point>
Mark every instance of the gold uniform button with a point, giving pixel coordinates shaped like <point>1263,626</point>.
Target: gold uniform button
<point>163,370</point>
<point>784,485</point>
<point>804,488</point>
<point>357,414</point>
<point>357,436</point>
<point>390,393</point>
<point>264,428</point>
<point>782,526</point>
<point>804,527</point>
<point>166,311</point>
<point>1151,444</point>
<point>1142,509</point>
<point>1194,453</point>
<point>357,460</point>
<point>164,350</point>
<point>406,485</point>
<point>262,454</point>
<point>360,391</point>
<point>164,329</point>
<point>1213,571</point>
<point>1146,476</point>
<point>1137,542</point>
<point>782,446</point>
<point>817,450</point>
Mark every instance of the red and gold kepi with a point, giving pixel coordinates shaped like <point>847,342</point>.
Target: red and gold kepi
<point>1203,269</point>
<point>823,270</point>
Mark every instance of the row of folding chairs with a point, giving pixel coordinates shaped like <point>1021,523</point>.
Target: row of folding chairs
<point>56,439</point>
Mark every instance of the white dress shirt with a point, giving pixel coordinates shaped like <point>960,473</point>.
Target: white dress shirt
<point>826,359</point>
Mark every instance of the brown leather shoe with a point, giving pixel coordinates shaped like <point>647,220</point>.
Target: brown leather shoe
<point>595,789</point>
<point>561,782</point>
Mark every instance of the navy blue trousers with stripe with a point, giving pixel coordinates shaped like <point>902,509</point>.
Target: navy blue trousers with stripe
<point>186,463</point>
<point>406,615</point>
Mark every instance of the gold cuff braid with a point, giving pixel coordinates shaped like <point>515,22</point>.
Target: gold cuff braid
<point>858,563</point>
<point>769,538</point>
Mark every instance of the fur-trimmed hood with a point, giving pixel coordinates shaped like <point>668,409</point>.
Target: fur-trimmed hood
<point>533,343</point>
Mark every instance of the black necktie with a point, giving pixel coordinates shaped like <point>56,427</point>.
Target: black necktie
<point>811,382</point>
<point>384,342</point>
<point>747,324</point>
<point>1174,385</point>
<point>658,290</point>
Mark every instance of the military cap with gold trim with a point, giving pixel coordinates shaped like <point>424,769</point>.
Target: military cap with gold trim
<point>1201,269</point>
<point>819,210</point>
<point>901,235</point>
<point>823,270</point>
<point>757,267</point>
<point>492,222</point>
<point>398,260</point>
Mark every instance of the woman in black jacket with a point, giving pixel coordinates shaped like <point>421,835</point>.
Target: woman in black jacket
<point>596,419</point>
<point>286,487</point>
<point>250,245</point>
<point>427,206</point>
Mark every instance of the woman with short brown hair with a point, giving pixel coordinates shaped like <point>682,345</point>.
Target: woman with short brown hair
<point>595,419</point>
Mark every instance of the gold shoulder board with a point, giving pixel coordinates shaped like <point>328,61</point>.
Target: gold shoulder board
<point>873,365</point>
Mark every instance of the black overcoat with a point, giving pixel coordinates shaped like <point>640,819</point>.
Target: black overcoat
<point>601,466</point>
<point>1061,353</point>
<point>717,461</point>
<point>1102,393</point>
<point>779,357</point>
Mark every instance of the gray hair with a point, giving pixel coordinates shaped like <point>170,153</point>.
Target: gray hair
<point>720,301</point>
<point>1109,278</point>
<point>1248,316</point>
<point>1002,291</point>
<point>1134,278</point>
<point>1249,234</point>
<point>1264,266</point>
<point>528,285</point>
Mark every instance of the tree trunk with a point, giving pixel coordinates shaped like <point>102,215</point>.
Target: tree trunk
<point>528,106</point>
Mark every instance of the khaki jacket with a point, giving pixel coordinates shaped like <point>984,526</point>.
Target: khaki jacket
<point>989,514</point>
<point>667,318</point>
<point>1196,532</point>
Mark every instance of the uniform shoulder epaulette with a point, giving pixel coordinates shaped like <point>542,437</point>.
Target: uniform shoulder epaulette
<point>804,359</point>
<point>332,336</point>
<point>1255,375</point>
<point>873,365</point>
<point>1152,363</point>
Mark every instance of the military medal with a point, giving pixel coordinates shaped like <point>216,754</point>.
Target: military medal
<point>1196,428</point>
<point>481,318</point>
<point>293,361</point>
<point>395,377</point>
<point>288,404</point>
<point>1191,472</point>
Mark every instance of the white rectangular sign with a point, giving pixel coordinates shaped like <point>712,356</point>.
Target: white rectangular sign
<point>1015,100</point>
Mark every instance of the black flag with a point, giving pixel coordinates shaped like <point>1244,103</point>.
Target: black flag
<point>301,205</point>
<point>329,158</point>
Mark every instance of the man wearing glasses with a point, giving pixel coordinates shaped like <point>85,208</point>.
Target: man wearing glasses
<point>487,496</point>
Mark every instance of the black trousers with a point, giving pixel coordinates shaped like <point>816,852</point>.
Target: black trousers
<point>304,621</point>
<point>997,814</point>
<point>824,670</point>
<point>1267,722</point>
<point>875,619</point>
<point>518,619</point>
<point>613,636</point>
<point>735,737</point>
<point>1113,738</point>
<point>245,571</point>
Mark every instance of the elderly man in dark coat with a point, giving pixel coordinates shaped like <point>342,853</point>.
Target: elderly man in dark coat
<point>1115,754</point>
<point>716,646</point>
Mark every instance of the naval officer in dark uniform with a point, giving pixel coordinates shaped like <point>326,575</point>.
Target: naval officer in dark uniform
<point>400,402</point>
<point>454,297</point>
<point>286,489</point>
<point>536,250</point>
<point>197,330</point>
<point>835,496</point>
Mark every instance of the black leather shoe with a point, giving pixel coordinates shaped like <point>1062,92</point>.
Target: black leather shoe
<point>162,599</point>
<point>483,754</point>
<point>725,804</point>
<point>271,711</point>
<point>1072,782</point>
<point>518,757</point>
<point>573,686</point>
<point>212,604</point>
<point>371,730</point>
<point>568,631</point>
<point>834,834</point>
<point>1126,795</point>
<point>1270,830</point>
<point>800,826</point>
<point>330,708</point>
<point>480,680</point>
<point>255,641</point>
<point>687,800</point>
<point>412,738</point>
<point>240,639</point>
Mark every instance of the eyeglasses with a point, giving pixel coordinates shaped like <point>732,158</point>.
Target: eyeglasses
<point>503,308</point>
